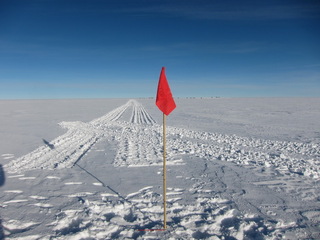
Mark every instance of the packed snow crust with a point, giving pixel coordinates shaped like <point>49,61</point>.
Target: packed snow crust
<point>237,169</point>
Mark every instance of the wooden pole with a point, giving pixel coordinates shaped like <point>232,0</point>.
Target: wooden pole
<point>164,175</point>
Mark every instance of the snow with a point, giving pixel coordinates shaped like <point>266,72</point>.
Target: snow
<point>92,169</point>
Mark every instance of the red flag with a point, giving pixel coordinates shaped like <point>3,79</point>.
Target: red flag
<point>164,99</point>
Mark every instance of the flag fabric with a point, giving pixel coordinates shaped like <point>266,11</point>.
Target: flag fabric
<point>164,99</point>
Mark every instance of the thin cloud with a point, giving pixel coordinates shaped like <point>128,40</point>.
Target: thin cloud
<point>244,11</point>
<point>193,48</point>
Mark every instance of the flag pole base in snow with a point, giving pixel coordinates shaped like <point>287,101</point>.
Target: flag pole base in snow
<point>151,230</point>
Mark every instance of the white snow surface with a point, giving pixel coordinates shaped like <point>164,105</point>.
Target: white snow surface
<point>92,169</point>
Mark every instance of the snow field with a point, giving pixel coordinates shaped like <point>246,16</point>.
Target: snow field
<point>139,145</point>
<point>80,185</point>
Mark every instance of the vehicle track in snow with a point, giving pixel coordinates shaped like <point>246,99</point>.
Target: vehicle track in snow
<point>140,115</point>
<point>80,137</point>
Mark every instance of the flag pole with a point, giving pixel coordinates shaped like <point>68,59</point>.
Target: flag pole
<point>166,104</point>
<point>164,174</point>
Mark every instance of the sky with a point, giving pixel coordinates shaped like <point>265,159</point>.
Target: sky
<point>116,49</point>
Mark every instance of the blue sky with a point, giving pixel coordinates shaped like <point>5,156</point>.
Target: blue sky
<point>103,48</point>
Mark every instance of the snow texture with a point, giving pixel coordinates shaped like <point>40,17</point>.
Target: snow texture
<point>102,178</point>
